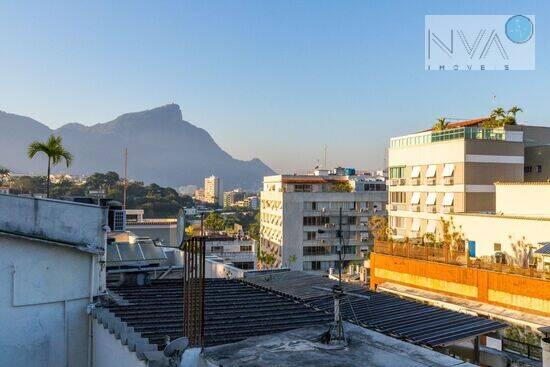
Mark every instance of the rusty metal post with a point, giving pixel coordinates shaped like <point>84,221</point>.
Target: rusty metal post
<point>193,290</point>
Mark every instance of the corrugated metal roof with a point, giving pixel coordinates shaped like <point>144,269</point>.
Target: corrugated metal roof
<point>406,319</point>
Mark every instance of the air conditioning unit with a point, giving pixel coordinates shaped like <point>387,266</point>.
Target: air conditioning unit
<point>327,225</point>
<point>402,181</point>
<point>323,209</point>
<point>363,224</point>
<point>448,209</point>
<point>448,181</point>
<point>431,209</point>
<point>415,181</point>
<point>430,181</point>
<point>323,241</point>
<point>394,182</point>
<point>415,208</point>
<point>364,210</point>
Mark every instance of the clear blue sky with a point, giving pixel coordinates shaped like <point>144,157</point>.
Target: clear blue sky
<point>271,79</point>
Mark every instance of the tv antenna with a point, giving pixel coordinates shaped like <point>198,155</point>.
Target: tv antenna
<point>335,335</point>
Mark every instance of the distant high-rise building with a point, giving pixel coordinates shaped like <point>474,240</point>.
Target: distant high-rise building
<point>213,192</point>
<point>230,198</point>
<point>199,195</point>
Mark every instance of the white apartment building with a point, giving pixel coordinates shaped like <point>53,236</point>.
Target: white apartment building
<point>300,216</point>
<point>213,190</point>
<point>434,173</point>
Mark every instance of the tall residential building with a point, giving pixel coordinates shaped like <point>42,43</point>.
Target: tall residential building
<point>230,198</point>
<point>213,192</point>
<point>300,217</point>
<point>434,173</point>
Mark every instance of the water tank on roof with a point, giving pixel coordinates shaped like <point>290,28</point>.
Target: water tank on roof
<point>349,171</point>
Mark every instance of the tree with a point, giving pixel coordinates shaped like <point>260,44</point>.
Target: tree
<point>500,117</point>
<point>4,172</point>
<point>342,187</point>
<point>511,115</point>
<point>379,227</point>
<point>214,222</point>
<point>440,124</point>
<point>55,152</point>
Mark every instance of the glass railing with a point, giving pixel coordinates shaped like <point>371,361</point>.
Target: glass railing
<point>448,134</point>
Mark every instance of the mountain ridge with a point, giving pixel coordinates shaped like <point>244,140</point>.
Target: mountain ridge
<point>162,148</point>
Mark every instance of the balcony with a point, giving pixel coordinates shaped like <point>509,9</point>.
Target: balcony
<point>430,137</point>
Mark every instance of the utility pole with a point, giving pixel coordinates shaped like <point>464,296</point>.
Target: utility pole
<point>125,177</point>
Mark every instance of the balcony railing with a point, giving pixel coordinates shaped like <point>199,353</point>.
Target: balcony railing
<point>455,256</point>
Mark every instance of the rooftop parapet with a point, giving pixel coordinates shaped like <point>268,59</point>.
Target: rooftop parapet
<point>60,221</point>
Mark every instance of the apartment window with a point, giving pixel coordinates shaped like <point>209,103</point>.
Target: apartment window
<point>119,221</point>
<point>430,172</point>
<point>430,200</point>
<point>314,205</point>
<point>398,197</point>
<point>448,170</point>
<point>315,265</point>
<point>415,172</point>
<point>528,169</point>
<point>539,168</point>
<point>216,249</point>
<point>448,199</point>
<point>498,247</point>
<point>397,172</point>
<point>310,236</point>
<point>246,248</point>
<point>397,222</point>
<point>302,188</point>
<point>315,221</point>
<point>415,200</point>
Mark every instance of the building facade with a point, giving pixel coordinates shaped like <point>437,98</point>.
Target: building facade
<point>213,190</point>
<point>437,173</point>
<point>300,219</point>
<point>231,198</point>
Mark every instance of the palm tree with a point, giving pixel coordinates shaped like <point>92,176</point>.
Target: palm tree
<point>498,113</point>
<point>511,115</point>
<point>441,124</point>
<point>55,152</point>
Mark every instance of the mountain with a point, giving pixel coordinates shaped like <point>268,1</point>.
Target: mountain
<point>162,148</point>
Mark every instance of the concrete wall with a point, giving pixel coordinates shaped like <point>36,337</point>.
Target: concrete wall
<point>218,270</point>
<point>44,291</point>
<point>523,198</point>
<point>507,290</point>
<point>535,157</point>
<point>109,351</point>
<point>486,230</point>
<point>166,233</point>
<point>56,220</point>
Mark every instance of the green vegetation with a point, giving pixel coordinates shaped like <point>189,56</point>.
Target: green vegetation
<point>54,150</point>
<point>250,222</point>
<point>157,201</point>
<point>379,227</point>
<point>441,124</point>
<point>342,187</point>
<point>4,174</point>
<point>500,117</point>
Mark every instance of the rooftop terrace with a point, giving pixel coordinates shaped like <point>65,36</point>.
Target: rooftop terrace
<point>429,137</point>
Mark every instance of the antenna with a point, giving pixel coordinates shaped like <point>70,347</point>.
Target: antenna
<point>125,177</point>
<point>325,163</point>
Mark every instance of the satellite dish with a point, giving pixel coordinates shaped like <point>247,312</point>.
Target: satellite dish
<point>176,347</point>
<point>181,227</point>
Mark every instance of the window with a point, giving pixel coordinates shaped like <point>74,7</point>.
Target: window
<point>119,220</point>
<point>539,168</point>
<point>314,205</point>
<point>216,249</point>
<point>415,198</point>
<point>398,197</point>
<point>246,248</point>
<point>415,225</point>
<point>397,172</point>
<point>448,199</point>
<point>432,225</point>
<point>310,236</point>
<point>528,169</point>
<point>315,265</point>
<point>315,221</point>
<point>498,247</point>
<point>302,188</point>
<point>415,172</point>
<point>430,200</point>
<point>448,170</point>
<point>430,172</point>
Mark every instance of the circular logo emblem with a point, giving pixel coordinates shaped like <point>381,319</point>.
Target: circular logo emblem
<point>519,29</point>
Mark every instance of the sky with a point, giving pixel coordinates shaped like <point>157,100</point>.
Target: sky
<point>273,79</point>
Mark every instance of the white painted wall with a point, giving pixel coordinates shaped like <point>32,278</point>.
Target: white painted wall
<point>217,269</point>
<point>109,351</point>
<point>44,290</point>
<point>486,230</point>
<point>523,199</point>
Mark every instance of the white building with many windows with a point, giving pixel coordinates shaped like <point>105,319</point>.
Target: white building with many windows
<point>300,218</point>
